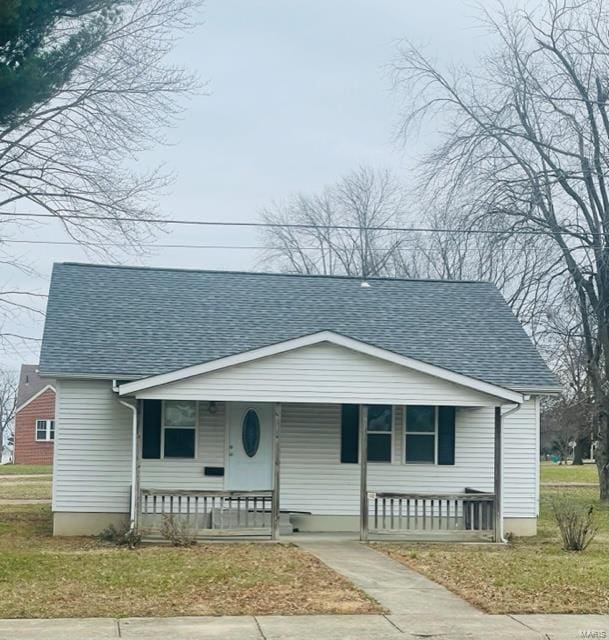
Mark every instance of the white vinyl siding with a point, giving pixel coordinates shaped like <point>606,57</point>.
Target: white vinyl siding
<point>93,456</point>
<point>92,459</point>
<point>313,479</point>
<point>320,373</point>
<point>521,461</point>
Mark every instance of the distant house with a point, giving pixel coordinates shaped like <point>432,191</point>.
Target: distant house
<point>255,404</point>
<point>34,418</point>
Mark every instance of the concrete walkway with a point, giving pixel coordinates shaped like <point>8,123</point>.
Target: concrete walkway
<point>419,607</point>
<point>395,587</point>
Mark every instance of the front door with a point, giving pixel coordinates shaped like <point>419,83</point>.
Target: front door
<point>250,447</point>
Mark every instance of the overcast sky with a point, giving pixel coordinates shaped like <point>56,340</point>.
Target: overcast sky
<point>297,96</point>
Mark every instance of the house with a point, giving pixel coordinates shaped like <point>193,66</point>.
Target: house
<point>34,418</point>
<point>247,403</point>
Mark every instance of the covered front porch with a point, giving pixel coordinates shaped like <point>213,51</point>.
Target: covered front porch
<point>322,433</point>
<point>242,496</point>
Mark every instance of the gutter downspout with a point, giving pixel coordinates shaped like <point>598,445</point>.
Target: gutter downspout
<point>132,518</point>
<point>504,415</point>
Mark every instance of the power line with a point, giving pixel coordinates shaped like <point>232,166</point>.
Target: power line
<point>292,225</point>
<point>152,245</point>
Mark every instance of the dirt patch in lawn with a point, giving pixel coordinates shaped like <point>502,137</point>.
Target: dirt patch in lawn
<point>531,575</point>
<point>41,576</point>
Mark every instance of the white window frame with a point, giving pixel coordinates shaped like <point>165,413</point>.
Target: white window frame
<point>165,428</point>
<point>433,433</point>
<point>49,428</point>
<point>391,433</point>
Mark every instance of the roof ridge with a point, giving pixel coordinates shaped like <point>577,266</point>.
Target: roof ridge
<point>271,273</point>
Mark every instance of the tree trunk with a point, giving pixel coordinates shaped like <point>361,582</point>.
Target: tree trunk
<point>582,449</point>
<point>602,456</point>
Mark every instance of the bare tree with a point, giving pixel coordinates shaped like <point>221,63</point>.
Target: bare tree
<point>8,404</point>
<point>527,148</point>
<point>521,268</point>
<point>340,230</point>
<point>74,154</point>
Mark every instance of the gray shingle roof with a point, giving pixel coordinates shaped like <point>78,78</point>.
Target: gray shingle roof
<point>131,321</point>
<point>30,383</point>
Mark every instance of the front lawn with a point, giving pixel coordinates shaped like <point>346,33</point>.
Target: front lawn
<point>24,489</point>
<point>42,576</point>
<point>25,469</point>
<point>531,575</point>
<point>568,473</point>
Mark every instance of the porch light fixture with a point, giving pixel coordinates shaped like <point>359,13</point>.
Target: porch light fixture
<point>212,408</point>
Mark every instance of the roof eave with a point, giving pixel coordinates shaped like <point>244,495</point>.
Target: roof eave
<point>539,391</point>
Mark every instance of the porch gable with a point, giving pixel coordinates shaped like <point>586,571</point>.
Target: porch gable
<point>325,368</point>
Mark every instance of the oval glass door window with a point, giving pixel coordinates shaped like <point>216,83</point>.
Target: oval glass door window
<point>250,433</point>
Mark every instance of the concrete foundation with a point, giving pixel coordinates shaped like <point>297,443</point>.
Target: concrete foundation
<point>86,524</point>
<point>327,523</point>
<point>520,526</point>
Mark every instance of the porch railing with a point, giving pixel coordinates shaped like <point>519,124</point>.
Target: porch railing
<point>453,515</point>
<point>206,514</point>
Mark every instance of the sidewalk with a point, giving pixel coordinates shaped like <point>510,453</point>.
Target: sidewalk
<point>349,627</point>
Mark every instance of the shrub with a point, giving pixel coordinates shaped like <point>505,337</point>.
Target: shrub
<point>576,524</point>
<point>124,535</point>
<point>178,531</point>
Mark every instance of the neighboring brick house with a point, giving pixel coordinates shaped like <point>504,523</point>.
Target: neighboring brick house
<point>34,418</point>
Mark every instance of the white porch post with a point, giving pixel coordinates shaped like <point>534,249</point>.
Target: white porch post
<point>363,466</point>
<point>275,511</point>
<point>498,477</point>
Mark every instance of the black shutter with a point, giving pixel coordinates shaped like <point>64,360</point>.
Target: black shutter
<point>446,435</point>
<point>349,433</point>
<point>151,434</point>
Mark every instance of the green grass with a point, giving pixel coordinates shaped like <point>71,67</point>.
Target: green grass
<point>25,469</point>
<point>42,576</point>
<point>531,575</point>
<point>551,472</point>
<point>27,489</point>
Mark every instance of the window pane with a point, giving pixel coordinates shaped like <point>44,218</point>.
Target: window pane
<point>420,418</point>
<point>179,443</point>
<point>420,448</point>
<point>379,418</point>
<point>250,433</point>
<point>180,413</point>
<point>379,447</point>
<point>41,429</point>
